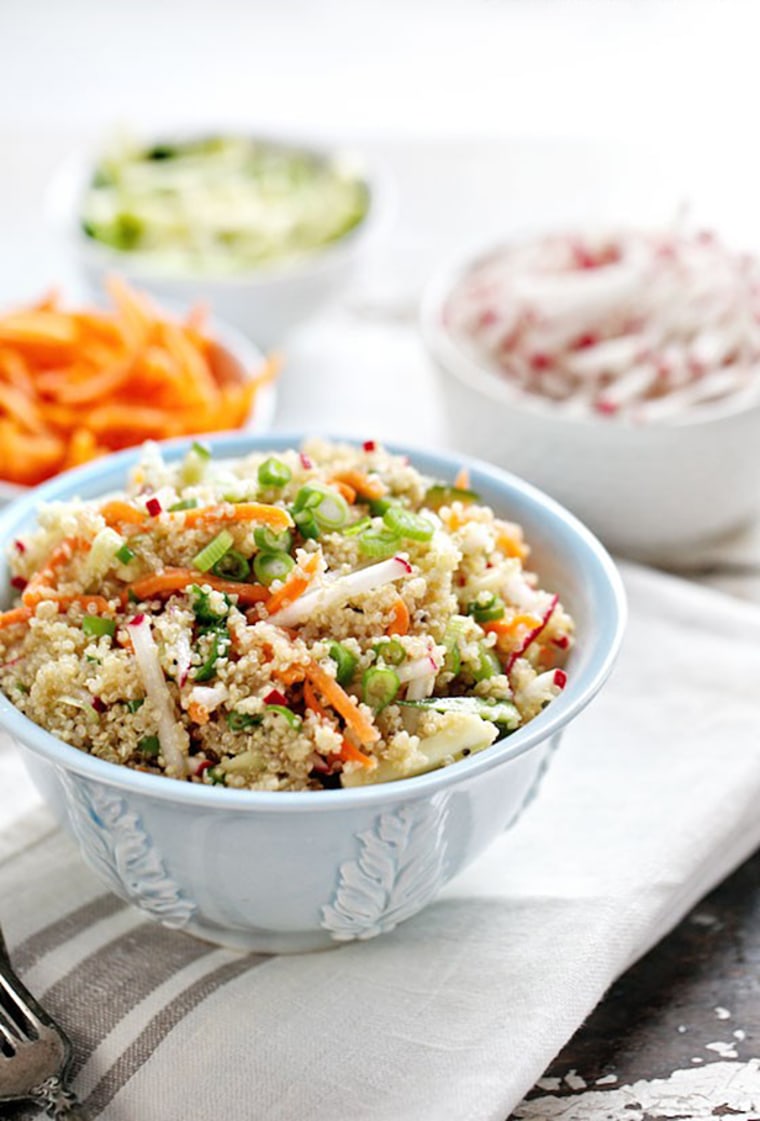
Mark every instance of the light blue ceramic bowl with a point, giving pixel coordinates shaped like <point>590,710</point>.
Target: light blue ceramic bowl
<point>279,872</point>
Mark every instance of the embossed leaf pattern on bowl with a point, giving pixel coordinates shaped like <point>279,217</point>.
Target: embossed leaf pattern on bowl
<point>116,845</point>
<point>400,868</point>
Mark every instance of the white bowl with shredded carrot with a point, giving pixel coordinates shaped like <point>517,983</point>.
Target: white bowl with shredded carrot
<point>79,383</point>
<point>324,628</point>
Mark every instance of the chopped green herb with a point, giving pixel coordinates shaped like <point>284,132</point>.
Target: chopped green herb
<point>217,776</point>
<point>133,706</point>
<point>183,504</point>
<point>149,745</point>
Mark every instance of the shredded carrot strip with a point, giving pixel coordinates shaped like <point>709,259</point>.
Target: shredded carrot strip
<point>349,752</point>
<point>290,675</point>
<point>198,713</point>
<point>511,545</point>
<point>311,701</point>
<point>462,480</point>
<point>368,486</point>
<point>34,592</point>
<point>123,374</point>
<point>339,699</point>
<point>273,516</point>
<point>399,623</point>
<point>294,586</point>
<point>177,579</point>
<point>347,491</point>
<point>506,629</point>
<point>121,513</point>
<point>14,617</point>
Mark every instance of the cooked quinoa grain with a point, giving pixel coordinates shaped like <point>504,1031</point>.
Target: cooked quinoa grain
<point>296,620</point>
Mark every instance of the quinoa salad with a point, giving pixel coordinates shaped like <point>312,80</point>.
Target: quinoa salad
<point>299,620</point>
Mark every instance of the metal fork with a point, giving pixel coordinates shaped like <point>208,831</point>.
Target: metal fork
<point>35,1054</point>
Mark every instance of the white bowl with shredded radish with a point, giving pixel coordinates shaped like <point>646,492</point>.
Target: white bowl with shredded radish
<point>288,868</point>
<point>618,370</point>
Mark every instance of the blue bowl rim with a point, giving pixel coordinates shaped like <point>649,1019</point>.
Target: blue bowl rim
<point>592,556</point>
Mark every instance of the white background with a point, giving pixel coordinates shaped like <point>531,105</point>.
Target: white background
<point>493,116</point>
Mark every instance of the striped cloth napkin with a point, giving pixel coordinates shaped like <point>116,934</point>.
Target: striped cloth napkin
<point>650,801</point>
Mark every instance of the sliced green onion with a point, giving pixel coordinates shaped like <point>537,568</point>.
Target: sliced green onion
<point>96,627</point>
<point>391,652</point>
<point>441,495</point>
<point>214,551</point>
<point>232,566</point>
<point>307,498</point>
<point>183,504</point>
<point>132,706</point>
<point>274,473</point>
<point>306,522</point>
<point>269,567</point>
<point>271,542</point>
<point>486,609</point>
<point>378,543</point>
<point>406,524</point>
<point>287,714</point>
<point>149,745</point>
<point>217,776</point>
<point>380,506</point>
<point>357,527</point>
<point>201,450</point>
<point>331,512</point>
<point>125,554</point>
<point>379,687</point>
<point>345,661</point>
<point>488,665</point>
<point>242,721</point>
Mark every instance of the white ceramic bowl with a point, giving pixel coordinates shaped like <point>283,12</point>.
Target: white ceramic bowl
<point>279,872</point>
<point>654,492</point>
<point>251,361</point>
<point>266,303</point>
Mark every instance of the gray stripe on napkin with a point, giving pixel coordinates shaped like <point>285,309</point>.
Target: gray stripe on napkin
<point>97,993</point>
<point>50,937</point>
<point>156,1030</point>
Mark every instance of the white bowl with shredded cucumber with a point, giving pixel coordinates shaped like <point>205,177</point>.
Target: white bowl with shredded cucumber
<point>321,654</point>
<point>267,230</point>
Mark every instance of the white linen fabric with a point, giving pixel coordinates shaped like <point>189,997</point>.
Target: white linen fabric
<point>650,801</point>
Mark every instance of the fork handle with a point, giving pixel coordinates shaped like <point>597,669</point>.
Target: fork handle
<point>59,1102</point>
